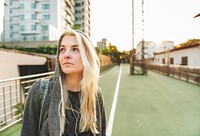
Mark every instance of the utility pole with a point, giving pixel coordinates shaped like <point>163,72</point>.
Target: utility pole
<point>198,15</point>
<point>133,24</point>
<point>133,55</point>
<point>143,69</point>
<point>143,42</point>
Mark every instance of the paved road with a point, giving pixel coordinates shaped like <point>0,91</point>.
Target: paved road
<point>156,105</point>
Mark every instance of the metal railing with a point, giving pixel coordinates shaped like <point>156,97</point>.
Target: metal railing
<point>12,97</point>
<point>13,94</point>
<point>187,73</point>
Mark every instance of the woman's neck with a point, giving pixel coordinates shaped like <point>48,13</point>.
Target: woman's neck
<point>73,82</point>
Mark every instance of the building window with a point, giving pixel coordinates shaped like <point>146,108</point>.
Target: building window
<point>171,60</point>
<point>21,28</point>
<point>77,11</point>
<point>78,18</point>
<point>33,6</point>
<point>46,17</point>
<point>44,27</point>
<point>33,16</point>
<point>24,38</point>
<point>77,4</point>
<point>21,17</point>
<point>184,61</point>
<point>163,61</point>
<point>21,5</point>
<point>45,6</point>
<point>34,38</point>
<point>45,38</point>
<point>33,27</point>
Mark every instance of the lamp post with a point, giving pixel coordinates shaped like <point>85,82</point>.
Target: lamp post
<point>198,15</point>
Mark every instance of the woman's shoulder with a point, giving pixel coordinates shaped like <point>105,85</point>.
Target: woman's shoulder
<point>38,87</point>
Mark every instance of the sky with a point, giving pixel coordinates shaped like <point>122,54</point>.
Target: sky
<point>165,20</point>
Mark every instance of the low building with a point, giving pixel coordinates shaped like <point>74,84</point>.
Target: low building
<point>16,63</point>
<point>187,56</point>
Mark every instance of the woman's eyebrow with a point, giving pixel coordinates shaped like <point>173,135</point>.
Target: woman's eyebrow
<point>62,45</point>
<point>70,46</point>
<point>74,46</point>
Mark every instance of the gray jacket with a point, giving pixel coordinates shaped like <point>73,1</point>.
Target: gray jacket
<point>49,119</point>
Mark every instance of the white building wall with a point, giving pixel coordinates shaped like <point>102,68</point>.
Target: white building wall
<point>61,17</point>
<point>193,55</point>
<point>150,48</point>
<point>84,8</point>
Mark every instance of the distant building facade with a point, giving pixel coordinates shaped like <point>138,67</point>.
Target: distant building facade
<point>103,44</point>
<point>185,56</point>
<point>151,47</point>
<point>82,15</point>
<point>42,20</point>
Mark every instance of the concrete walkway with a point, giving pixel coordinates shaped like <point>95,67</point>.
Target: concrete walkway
<point>153,105</point>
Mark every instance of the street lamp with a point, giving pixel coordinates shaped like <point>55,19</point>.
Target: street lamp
<point>198,15</point>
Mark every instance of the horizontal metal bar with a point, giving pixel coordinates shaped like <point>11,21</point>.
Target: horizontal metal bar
<point>7,126</point>
<point>24,77</point>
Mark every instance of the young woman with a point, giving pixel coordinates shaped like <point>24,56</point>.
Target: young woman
<point>73,104</point>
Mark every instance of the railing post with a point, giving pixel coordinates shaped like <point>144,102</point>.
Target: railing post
<point>199,78</point>
<point>4,105</point>
<point>11,108</point>
<point>187,72</point>
<point>20,91</point>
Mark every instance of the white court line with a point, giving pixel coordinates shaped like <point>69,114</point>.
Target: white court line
<point>112,113</point>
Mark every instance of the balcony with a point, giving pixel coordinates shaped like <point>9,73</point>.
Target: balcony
<point>38,0</point>
<point>29,32</point>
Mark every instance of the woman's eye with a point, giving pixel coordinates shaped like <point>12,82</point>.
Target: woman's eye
<point>62,49</point>
<point>75,49</point>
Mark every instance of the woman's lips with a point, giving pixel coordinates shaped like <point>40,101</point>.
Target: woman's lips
<point>68,63</point>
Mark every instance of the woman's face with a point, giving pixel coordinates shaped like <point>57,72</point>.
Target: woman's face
<point>69,56</point>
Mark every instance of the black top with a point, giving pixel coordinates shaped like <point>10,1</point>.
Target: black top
<point>73,116</point>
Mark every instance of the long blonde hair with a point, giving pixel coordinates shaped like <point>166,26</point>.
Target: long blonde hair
<point>89,82</point>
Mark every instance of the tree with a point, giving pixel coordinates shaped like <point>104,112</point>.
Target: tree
<point>190,42</point>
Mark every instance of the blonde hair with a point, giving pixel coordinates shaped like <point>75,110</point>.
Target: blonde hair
<point>89,82</point>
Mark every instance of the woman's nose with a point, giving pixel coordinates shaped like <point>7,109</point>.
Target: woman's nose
<point>67,54</point>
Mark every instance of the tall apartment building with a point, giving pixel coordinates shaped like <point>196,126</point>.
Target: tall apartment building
<point>38,20</point>
<point>82,15</point>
